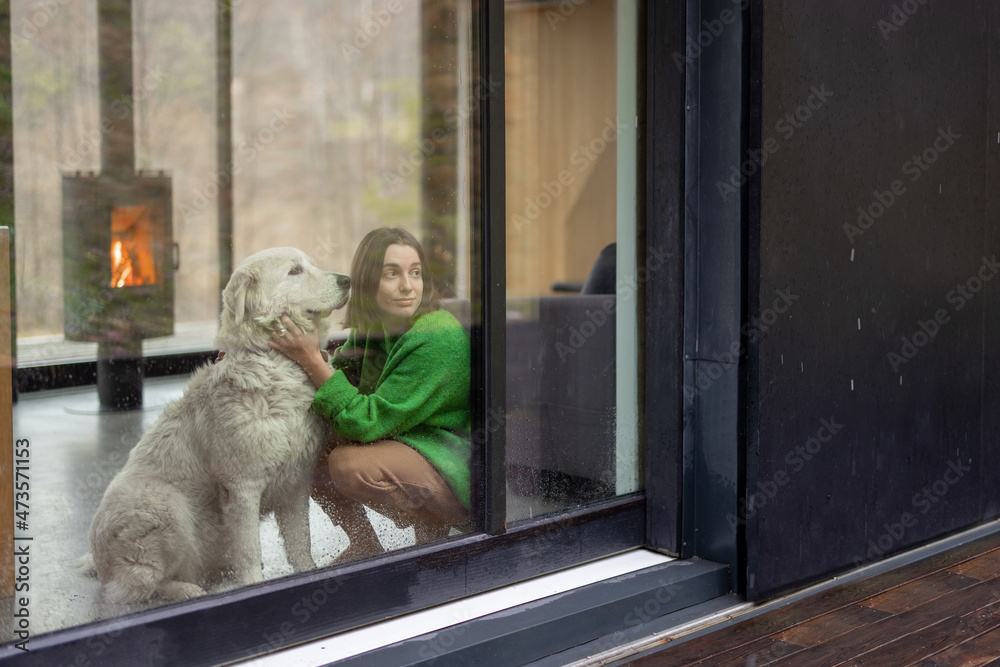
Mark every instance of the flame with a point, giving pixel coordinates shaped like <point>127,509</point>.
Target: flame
<point>116,262</point>
<point>131,252</point>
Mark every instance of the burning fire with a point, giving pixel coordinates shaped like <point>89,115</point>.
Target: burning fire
<point>131,247</point>
<point>121,265</point>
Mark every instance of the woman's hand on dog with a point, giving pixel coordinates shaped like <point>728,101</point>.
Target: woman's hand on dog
<point>301,347</point>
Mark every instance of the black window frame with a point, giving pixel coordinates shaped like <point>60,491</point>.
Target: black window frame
<point>275,614</point>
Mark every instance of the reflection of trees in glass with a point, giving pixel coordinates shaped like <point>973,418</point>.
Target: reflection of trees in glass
<point>7,155</point>
<point>44,84</point>
<point>58,130</point>
<point>354,116</point>
<point>356,104</point>
<point>174,114</point>
<point>440,105</point>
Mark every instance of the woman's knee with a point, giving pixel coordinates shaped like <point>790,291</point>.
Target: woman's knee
<point>342,461</point>
<point>346,466</point>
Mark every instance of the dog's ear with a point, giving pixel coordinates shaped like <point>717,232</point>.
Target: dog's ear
<point>243,296</point>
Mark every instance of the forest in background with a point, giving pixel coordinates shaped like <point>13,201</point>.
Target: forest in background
<point>326,109</point>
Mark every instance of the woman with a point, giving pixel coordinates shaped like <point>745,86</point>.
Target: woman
<point>397,396</point>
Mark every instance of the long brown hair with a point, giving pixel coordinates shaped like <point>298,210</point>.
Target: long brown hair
<point>366,274</point>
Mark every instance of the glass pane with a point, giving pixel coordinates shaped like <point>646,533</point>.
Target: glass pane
<point>572,390</point>
<point>346,117</point>
<point>61,129</point>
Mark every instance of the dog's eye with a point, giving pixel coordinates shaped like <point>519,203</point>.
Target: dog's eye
<point>296,270</point>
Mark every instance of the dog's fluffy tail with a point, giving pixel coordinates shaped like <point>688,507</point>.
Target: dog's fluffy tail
<point>85,566</point>
<point>137,582</point>
<point>132,583</point>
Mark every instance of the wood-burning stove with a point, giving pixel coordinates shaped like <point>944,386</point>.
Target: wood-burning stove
<point>118,274</point>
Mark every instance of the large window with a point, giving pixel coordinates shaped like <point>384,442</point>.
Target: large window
<point>162,143</point>
<point>572,391</point>
<point>344,119</point>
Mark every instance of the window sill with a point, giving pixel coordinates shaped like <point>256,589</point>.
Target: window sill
<point>525,621</point>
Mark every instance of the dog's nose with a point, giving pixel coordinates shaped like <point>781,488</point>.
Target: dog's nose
<point>343,282</point>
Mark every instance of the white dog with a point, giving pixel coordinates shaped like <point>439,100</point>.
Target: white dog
<point>241,442</point>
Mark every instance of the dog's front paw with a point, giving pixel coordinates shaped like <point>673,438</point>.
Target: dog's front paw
<point>248,576</point>
<point>302,563</point>
<point>178,591</point>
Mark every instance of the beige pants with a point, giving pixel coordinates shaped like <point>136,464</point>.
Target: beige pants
<point>391,478</point>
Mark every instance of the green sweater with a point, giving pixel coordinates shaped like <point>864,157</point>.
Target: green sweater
<point>413,388</point>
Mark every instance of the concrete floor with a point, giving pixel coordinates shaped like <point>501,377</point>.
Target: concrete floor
<point>75,452</point>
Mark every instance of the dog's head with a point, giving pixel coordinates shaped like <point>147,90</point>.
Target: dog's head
<point>274,282</point>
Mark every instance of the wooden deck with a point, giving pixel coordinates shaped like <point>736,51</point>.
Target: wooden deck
<point>944,610</point>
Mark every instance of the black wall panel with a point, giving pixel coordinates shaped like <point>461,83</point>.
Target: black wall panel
<point>713,274</point>
<point>875,318</point>
<point>989,498</point>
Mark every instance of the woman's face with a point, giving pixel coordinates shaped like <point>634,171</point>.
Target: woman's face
<point>401,285</point>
